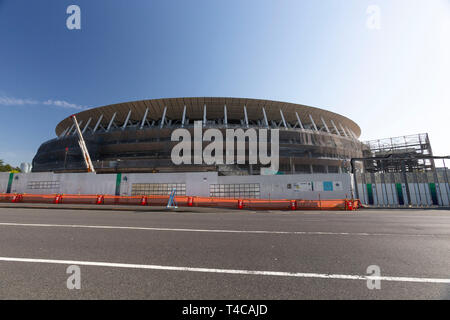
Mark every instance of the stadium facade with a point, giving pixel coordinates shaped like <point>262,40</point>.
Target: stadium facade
<point>132,144</point>
<point>135,137</point>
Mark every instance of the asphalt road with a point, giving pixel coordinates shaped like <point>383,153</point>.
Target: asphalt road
<point>220,254</point>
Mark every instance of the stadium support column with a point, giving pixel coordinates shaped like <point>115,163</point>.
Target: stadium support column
<point>184,116</point>
<point>70,130</point>
<point>111,122</point>
<point>335,128</point>
<point>126,120</point>
<point>143,119</point>
<point>343,130</point>
<point>313,123</point>
<point>325,125</point>
<point>98,123</point>
<point>204,114</point>
<point>351,133</point>
<point>299,121</point>
<point>245,116</point>
<point>163,118</point>
<point>282,119</point>
<point>63,133</point>
<point>225,117</point>
<point>265,118</point>
<point>86,126</point>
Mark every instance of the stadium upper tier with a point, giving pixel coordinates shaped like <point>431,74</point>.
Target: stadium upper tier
<point>135,136</point>
<point>169,112</point>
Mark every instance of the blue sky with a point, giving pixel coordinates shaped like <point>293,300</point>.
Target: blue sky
<point>392,81</point>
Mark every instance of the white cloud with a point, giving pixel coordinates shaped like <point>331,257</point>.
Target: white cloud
<point>63,104</point>
<point>11,101</point>
<point>8,101</point>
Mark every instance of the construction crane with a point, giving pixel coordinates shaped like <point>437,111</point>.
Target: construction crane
<point>84,150</point>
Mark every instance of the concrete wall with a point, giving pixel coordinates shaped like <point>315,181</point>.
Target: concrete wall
<point>276,187</point>
<point>73,183</point>
<point>298,186</point>
<point>197,184</point>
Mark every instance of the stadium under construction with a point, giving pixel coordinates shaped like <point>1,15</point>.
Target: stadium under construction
<point>320,155</point>
<point>136,136</point>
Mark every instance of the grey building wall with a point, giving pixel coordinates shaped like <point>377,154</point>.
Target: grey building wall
<point>384,189</point>
<point>197,184</point>
<point>4,177</point>
<point>292,186</point>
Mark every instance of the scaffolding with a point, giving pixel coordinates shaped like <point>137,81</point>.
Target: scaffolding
<point>405,153</point>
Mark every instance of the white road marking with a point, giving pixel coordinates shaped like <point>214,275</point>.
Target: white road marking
<point>213,230</point>
<point>227,271</point>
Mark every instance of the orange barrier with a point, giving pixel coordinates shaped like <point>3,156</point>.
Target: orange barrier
<point>185,201</point>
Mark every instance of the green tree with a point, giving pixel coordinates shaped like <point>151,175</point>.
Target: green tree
<point>4,167</point>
